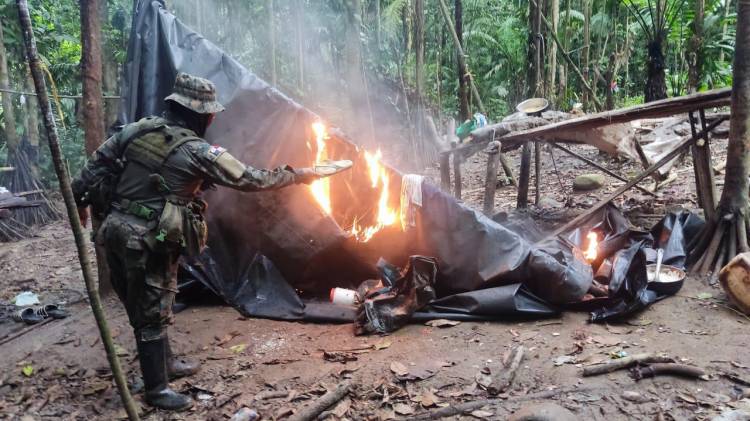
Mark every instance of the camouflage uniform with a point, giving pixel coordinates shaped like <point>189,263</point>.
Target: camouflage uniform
<point>146,179</point>
<point>142,263</point>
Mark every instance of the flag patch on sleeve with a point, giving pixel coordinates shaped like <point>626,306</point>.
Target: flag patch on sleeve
<point>214,151</point>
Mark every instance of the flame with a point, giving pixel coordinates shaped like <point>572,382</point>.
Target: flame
<point>590,253</point>
<point>321,189</point>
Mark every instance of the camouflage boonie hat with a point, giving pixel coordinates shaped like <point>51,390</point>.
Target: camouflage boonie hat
<point>195,93</point>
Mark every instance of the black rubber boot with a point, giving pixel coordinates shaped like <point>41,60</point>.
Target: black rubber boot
<point>179,367</point>
<point>153,357</point>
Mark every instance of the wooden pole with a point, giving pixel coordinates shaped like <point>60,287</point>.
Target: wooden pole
<point>457,175</point>
<point>668,157</point>
<point>445,171</point>
<point>490,184</point>
<point>537,171</point>
<point>70,206</point>
<point>522,200</point>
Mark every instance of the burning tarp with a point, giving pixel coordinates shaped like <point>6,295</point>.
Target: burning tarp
<point>332,233</point>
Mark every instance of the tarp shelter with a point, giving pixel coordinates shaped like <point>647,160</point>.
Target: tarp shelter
<point>285,239</point>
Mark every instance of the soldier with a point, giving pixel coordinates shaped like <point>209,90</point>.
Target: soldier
<point>144,182</point>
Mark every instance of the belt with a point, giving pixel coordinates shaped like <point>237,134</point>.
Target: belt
<point>135,208</point>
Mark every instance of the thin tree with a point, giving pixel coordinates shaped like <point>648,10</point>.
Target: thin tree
<point>726,234</point>
<point>463,73</point>
<point>75,224</point>
<point>271,41</point>
<point>9,115</point>
<point>93,107</point>
<point>695,46</point>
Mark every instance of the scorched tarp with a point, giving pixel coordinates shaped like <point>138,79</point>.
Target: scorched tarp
<point>308,248</point>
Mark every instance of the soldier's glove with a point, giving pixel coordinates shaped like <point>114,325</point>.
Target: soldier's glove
<point>305,175</point>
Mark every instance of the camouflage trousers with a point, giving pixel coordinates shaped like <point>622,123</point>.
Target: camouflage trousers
<point>144,280</point>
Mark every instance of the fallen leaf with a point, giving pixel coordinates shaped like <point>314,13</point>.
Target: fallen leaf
<point>442,323</point>
<point>399,369</point>
<point>704,296</point>
<point>27,370</point>
<point>618,330</point>
<point>403,409</point>
<point>479,413</point>
<point>381,345</point>
<point>238,349</point>
<point>428,399</point>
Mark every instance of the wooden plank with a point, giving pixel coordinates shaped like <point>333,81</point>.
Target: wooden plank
<point>668,157</point>
<point>663,108</point>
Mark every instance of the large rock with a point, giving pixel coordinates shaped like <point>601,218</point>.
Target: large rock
<point>588,182</point>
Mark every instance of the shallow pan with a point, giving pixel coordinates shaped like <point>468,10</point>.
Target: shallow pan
<point>670,279</point>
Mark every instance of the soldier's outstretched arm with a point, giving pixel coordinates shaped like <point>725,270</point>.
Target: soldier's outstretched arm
<point>221,168</point>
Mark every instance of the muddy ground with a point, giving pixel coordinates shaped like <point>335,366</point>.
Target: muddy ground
<point>59,371</point>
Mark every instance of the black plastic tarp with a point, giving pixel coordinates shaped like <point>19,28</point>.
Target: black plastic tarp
<point>310,249</point>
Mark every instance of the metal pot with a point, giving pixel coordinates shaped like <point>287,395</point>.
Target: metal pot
<point>670,279</point>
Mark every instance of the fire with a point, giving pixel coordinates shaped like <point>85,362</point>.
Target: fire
<point>590,253</point>
<point>321,189</point>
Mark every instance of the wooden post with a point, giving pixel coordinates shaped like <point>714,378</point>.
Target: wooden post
<point>445,171</point>
<point>457,174</point>
<point>537,171</point>
<point>704,173</point>
<point>522,200</point>
<point>490,184</point>
<point>70,205</point>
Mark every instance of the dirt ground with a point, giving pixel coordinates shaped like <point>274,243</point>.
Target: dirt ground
<point>59,371</point>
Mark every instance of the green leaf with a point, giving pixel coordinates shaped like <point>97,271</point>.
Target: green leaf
<point>704,296</point>
<point>27,370</point>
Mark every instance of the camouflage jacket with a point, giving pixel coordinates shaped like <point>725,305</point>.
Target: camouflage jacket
<point>189,166</point>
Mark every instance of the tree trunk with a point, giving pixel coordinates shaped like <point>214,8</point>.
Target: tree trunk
<point>32,127</point>
<point>656,85</point>
<point>552,66</point>
<point>93,106</point>
<point>735,192</point>
<point>586,49</point>
<point>463,92</point>
<point>271,41</point>
<point>725,235</point>
<point>695,48</point>
<point>110,70</point>
<point>299,10</point>
<point>9,115</point>
<point>727,7</point>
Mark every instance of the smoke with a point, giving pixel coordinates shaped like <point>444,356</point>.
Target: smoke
<point>316,66</point>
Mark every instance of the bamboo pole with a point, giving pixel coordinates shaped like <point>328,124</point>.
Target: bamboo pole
<point>70,205</point>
